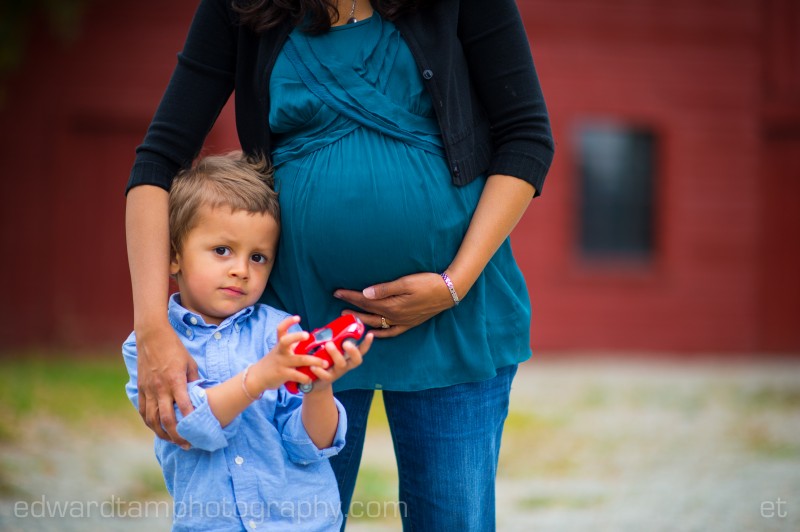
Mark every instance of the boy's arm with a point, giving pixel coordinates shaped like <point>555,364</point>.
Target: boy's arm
<point>228,399</point>
<point>215,406</point>
<point>129,356</point>
<point>313,428</point>
<point>199,426</point>
<point>320,417</point>
<point>320,414</point>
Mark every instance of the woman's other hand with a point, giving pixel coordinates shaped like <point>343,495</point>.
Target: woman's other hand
<point>403,303</point>
<point>413,299</point>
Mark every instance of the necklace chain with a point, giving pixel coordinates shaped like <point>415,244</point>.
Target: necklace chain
<point>352,18</point>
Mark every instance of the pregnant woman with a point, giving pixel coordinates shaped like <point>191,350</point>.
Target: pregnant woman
<point>408,139</point>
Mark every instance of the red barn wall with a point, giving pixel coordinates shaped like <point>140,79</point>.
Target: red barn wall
<point>692,71</point>
<point>72,117</point>
<point>779,303</point>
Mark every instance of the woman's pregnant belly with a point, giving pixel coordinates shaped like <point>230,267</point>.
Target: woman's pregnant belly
<point>371,209</point>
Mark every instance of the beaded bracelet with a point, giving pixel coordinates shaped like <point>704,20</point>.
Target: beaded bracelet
<point>244,385</point>
<point>450,287</point>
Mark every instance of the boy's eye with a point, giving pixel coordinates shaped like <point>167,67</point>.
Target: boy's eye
<point>222,251</point>
<point>259,258</point>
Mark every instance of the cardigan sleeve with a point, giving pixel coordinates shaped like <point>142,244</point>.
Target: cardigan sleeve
<point>503,74</point>
<point>201,84</point>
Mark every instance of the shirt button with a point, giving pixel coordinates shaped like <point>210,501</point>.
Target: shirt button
<point>252,524</point>
<point>239,460</point>
<point>193,320</point>
<point>217,335</point>
<point>189,333</point>
<point>201,392</point>
<point>427,74</point>
<point>236,326</point>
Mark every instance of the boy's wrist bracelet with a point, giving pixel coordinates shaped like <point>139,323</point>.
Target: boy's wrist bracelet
<point>450,287</point>
<point>244,384</point>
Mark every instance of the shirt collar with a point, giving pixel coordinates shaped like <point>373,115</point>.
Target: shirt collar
<point>181,317</point>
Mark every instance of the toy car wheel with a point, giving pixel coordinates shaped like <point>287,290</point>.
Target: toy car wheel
<point>305,388</point>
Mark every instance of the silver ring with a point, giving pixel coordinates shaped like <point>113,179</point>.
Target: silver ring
<point>384,325</point>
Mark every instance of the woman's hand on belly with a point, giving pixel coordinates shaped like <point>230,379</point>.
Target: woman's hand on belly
<point>403,303</point>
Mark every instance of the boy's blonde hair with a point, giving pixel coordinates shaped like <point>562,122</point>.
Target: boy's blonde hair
<point>243,183</point>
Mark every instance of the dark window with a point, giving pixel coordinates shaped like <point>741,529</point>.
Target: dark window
<point>616,176</point>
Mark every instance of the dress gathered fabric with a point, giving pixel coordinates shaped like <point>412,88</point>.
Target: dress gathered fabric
<point>366,197</point>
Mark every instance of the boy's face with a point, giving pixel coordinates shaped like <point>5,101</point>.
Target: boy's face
<point>225,261</point>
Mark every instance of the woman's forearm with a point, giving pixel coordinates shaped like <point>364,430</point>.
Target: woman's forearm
<point>164,365</point>
<point>502,203</point>
<point>147,232</point>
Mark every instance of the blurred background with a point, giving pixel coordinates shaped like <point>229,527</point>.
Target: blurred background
<point>662,261</point>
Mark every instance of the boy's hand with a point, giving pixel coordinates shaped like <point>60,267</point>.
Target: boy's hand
<point>280,365</point>
<point>342,363</point>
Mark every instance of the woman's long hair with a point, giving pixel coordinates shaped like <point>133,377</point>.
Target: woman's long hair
<point>262,15</point>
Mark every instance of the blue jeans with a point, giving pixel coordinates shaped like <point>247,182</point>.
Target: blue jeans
<point>446,441</point>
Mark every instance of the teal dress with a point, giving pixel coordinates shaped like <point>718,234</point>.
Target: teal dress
<point>366,197</point>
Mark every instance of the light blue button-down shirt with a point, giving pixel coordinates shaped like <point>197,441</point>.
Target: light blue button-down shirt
<point>262,471</point>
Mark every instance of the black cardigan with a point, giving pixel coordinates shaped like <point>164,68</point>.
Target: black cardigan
<point>473,57</point>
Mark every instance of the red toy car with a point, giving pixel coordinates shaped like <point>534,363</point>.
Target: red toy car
<point>343,328</point>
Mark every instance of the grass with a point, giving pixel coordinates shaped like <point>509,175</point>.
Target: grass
<point>74,391</point>
<point>147,485</point>
<point>90,391</point>
<point>756,438</point>
<point>571,502</point>
<point>7,488</point>
<point>373,485</point>
<point>76,397</point>
<point>764,398</point>
<point>375,494</point>
<point>528,435</point>
<point>584,433</point>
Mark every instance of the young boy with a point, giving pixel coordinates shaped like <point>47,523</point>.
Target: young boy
<point>258,456</point>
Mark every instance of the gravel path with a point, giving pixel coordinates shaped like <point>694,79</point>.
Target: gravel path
<point>657,447</point>
<point>611,445</point>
